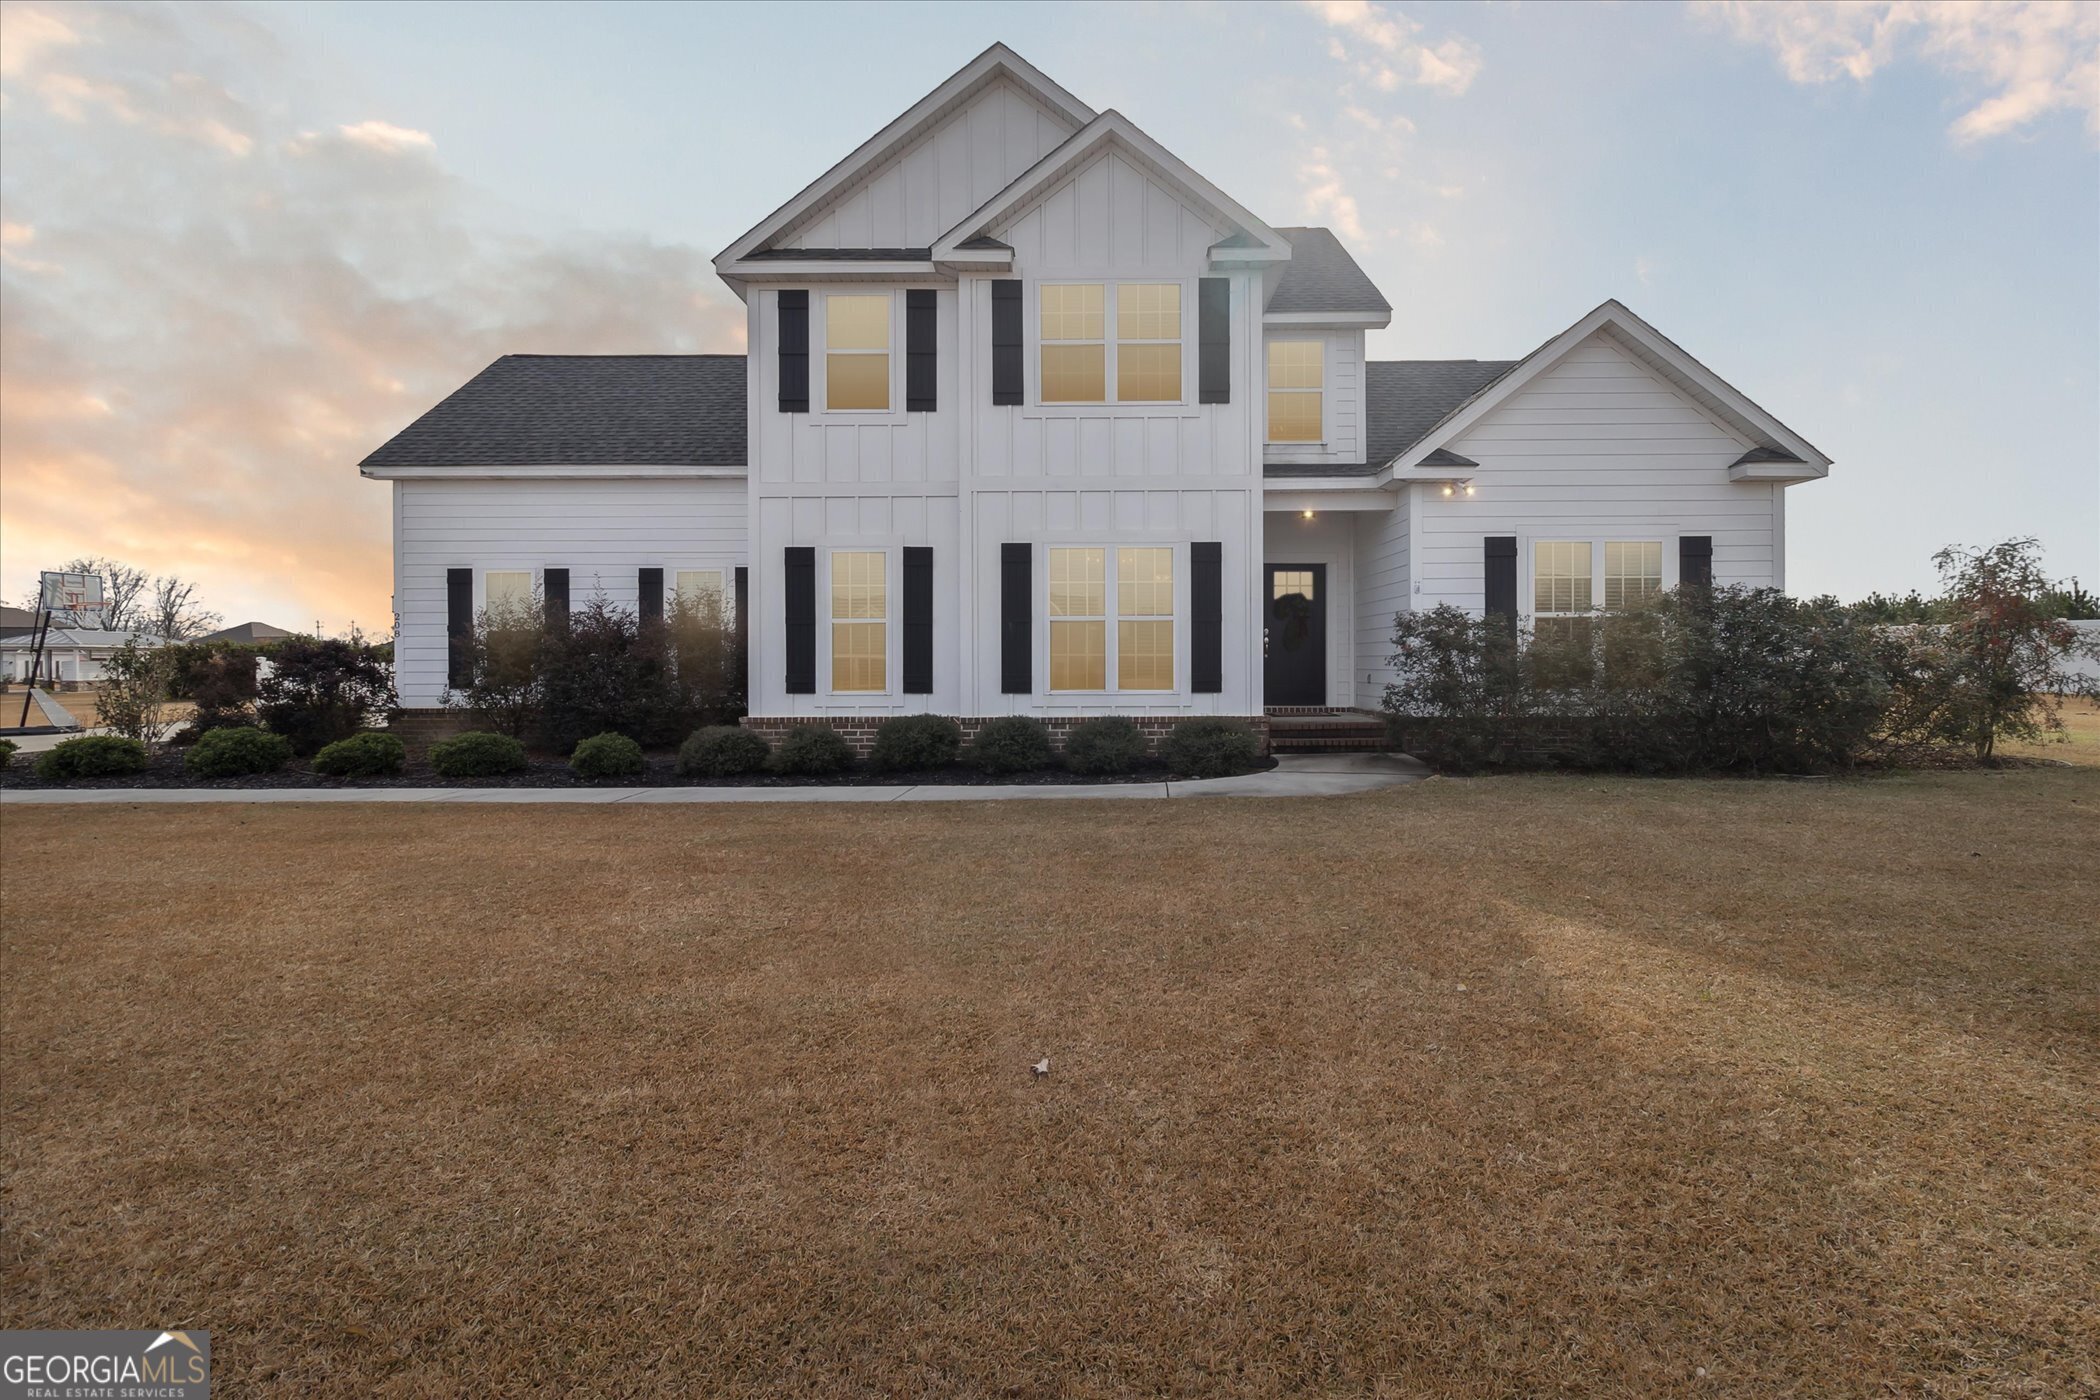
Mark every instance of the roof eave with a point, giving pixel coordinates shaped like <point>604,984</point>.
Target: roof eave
<point>539,471</point>
<point>1348,320</point>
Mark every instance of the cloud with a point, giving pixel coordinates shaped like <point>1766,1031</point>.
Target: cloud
<point>1326,198</point>
<point>1388,53</point>
<point>2028,58</point>
<point>230,335</point>
<point>26,34</point>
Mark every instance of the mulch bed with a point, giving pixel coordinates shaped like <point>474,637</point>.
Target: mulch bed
<point>166,771</point>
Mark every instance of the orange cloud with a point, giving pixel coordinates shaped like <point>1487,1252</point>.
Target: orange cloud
<point>225,338</point>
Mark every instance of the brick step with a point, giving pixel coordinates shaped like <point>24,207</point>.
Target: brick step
<point>1301,743</point>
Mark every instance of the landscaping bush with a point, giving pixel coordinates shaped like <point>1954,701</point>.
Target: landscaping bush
<point>321,689</point>
<point>722,751</point>
<point>7,752</point>
<point>236,752</point>
<point>91,756</point>
<point>477,754</point>
<point>811,750</point>
<point>1211,748</point>
<point>137,684</point>
<point>607,756</point>
<point>221,680</point>
<point>914,743</point>
<point>367,755</point>
<point>1012,744</point>
<point>602,671</point>
<point>1110,744</point>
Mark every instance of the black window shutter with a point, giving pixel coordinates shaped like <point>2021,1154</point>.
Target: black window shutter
<point>1214,339</point>
<point>649,590</point>
<point>1695,560</point>
<point>743,603</point>
<point>799,581</point>
<point>459,627</point>
<point>740,680</point>
<point>1500,556</point>
<point>1207,617</point>
<point>918,620</point>
<point>1016,643</point>
<point>554,584</point>
<point>921,358</point>
<point>1006,342</point>
<point>794,352</point>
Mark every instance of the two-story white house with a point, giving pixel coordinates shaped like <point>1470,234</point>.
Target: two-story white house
<point>1037,419</point>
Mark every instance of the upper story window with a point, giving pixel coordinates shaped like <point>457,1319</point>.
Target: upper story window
<point>1296,413</point>
<point>1072,325</point>
<point>857,351</point>
<point>859,620</point>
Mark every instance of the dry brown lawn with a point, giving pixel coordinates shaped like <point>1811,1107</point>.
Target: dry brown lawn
<point>1515,1087</point>
<point>2079,743</point>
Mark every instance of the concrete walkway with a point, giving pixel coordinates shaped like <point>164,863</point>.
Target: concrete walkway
<point>1295,775</point>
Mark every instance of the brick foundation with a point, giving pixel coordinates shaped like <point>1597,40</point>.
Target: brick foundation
<point>859,730</point>
<point>422,727</point>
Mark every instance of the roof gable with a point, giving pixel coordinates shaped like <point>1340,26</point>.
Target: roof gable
<point>1249,239</point>
<point>1714,395</point>
<point>826,208</point>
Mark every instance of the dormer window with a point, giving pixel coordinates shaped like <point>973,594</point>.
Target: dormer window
<point>857,352</point>
<point>1296,413</point>
<point>1076,350</point>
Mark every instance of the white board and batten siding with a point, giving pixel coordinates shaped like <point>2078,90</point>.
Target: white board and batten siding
<point>602,530</point>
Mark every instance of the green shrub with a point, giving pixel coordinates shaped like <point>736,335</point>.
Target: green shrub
<point>913,743</point>
<point>1012,744</point>
<point>1211,748</point>
<point>321,689</point>
<point>607,756</point>
<point>91,756</point>
<point>722,751</point>
<point>7,752</point>
<point>811,750</point>
<point>236,752</point>
<point>1110,744</point>
<point>367,755</point>
<point>477,754</point>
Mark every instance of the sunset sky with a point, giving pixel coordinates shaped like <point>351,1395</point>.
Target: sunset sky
<point>242,245</point>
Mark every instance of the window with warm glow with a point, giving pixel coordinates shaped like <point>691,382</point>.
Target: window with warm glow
<point>1632,572</point>
<point>1145,619</point>
<point>1078,619</point>
<point>1075,349</point>
<point>857,352</point>
<point>859,620</point>
<point>1148,342</point>
<point>1296,413</point>
<point>504,590</point>
<point>698,589</point>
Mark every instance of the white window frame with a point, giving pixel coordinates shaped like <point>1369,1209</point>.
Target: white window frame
<point>1595,542</point>
<point>1307,444</point>
<point>1112,297</point>
<point>481,582</point>
<point>1112,618</point>
<point>1032,316</point>
<point>890,567</point>
<point>821,352</point>
<point>720,587</point>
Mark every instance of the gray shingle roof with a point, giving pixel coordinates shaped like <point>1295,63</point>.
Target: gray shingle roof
<point>842,255</point>
<point>583,410</point>
<point>1321,276</point>
<point>1407,398</point>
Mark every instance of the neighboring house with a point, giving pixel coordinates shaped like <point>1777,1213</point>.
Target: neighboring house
<point>72,655</point>
<point>247,634</point>
<point>1037,419</point>
<point>13,620</point>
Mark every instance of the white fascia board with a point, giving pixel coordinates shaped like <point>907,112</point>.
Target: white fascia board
<point>1111,125</point>
<point>784,269</point>
<point>1644,338</point>
<point>1296,498</point>
<point>541,472</point>
<point>994,61</point>
<point>1782,472</point>
<point>1340,320</point>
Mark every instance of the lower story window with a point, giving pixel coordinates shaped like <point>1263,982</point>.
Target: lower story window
<point>506,591</point>
<point>1136,606</point>
<point>1633,572</point>
<point>698,590</point>
<point>859,620</point>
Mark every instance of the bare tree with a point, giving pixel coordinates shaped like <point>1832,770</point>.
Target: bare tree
<point>174,613</point>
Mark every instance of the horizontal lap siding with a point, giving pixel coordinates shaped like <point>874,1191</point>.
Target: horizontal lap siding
<point>1382,584</point>
<point>1595,446</point>
<point>602,532</point>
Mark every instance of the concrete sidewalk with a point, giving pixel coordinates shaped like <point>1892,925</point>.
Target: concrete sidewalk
<point>1295,775</point>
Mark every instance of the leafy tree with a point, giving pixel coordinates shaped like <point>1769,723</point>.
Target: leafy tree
<point>137,684</point>
<point>321,689</point>
<point>2004,650</point>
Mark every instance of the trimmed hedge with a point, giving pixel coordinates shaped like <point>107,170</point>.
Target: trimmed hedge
<point>367,755</point>
<point>91,756</point>
<point>1108,745</point>
<point>722,751</point>
<point>236,752</point>
<point>1012,744</point>
<point>477,754</point>
<point>913,743</point>
<point>1211,748</point>
<point>811,750</point>
<point>608,756</point>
